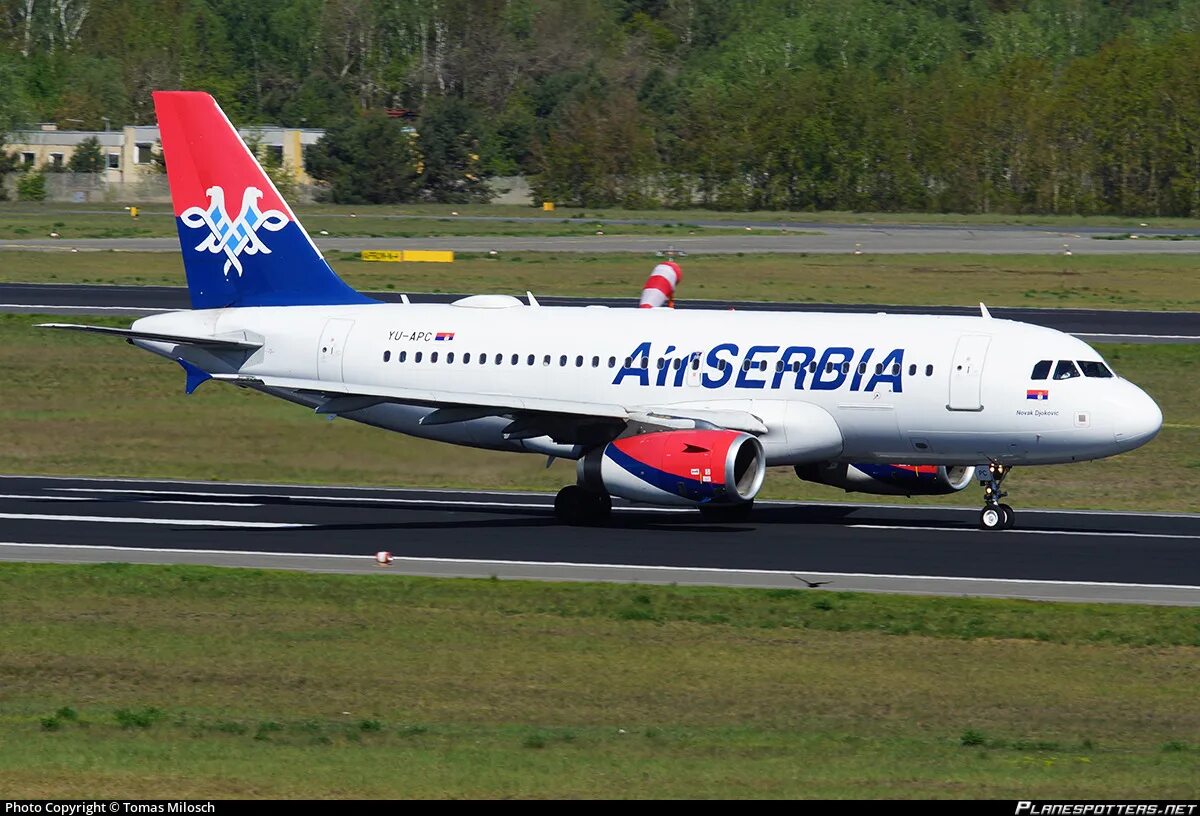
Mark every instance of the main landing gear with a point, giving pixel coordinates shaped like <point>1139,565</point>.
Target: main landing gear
<point>577,505</point>
<point>995,515</point>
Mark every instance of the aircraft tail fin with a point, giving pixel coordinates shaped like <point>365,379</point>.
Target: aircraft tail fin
<point>242,244</point>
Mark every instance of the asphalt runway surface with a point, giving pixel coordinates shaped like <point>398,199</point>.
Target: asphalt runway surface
<point>1112,557</point>
<point>757,238</point>
<point>1097,325</point>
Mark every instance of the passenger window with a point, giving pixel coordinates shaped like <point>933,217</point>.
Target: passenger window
<point>562,360</point>
<point>595,362</point>
<point>499,359</point>
<point>645,362</point>
<point>895,369</point>
<point>1041,370</point>
<point>387,355</point>
<point>628,362</point>
<point>845,368</point>
<point>530,360</point>
<point>612,362</point>
<point>417,358</point>
<point>515,359</point>
<point>778,366</point>
<point>402,356</point>
<point>745,365</point>
<point>1094,369</point>
<point>695,364</point>
<point>812,367</point>
<point>928,371</point>
<point>450,357</point>
<point>829,368</point>
<point>912,370</point>
<point>579,361</point>
<point>433,357</point>
<point>546,360</point>
<point>483,359</point>
<point>466,357</point>
<point>862,368</point>
<point>1065,370</point>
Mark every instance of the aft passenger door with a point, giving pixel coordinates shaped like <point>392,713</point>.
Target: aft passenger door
<point>966,373</point>
<point>332,349</point>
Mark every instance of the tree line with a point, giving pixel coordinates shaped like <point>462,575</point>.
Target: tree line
<point>1046,106</point>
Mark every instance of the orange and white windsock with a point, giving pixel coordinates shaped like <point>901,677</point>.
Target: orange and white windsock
<point>660,287</point>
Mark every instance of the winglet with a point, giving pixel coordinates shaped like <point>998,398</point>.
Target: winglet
<point>983,312</point>
<point>196,376</point>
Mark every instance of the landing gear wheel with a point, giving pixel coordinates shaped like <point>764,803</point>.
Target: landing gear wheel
<point>991,518</point>
<point>574,505</point>
<point>994,515</point>
<point>726,512</point>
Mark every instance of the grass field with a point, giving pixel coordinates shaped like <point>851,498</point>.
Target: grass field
<point>84,405</point>
<point>169,682</point>
<point>1166,282</point>
<point>18,214</point>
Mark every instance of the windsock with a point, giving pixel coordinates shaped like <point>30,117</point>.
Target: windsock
<point>660,287</point>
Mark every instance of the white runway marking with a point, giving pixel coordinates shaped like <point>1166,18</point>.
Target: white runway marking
<point>167,522</point>
<point>1088,533</point>
<point>44,497</point>
<point>589,565</point>
<point>84,308</point>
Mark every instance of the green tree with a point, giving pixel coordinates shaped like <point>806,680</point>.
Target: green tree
<point>367,160</point>
<point>451,169</point>
<point>87,157</point>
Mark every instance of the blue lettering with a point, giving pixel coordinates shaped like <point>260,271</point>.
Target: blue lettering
<point>681,372</point>
<point>831,368</point>
<point>860,369</point>
<point>806,354</point>
<point>715,362</point>
<point>633,369</point>
<point>750,364</point>
<point>893,362</point>
<point>662,372</point>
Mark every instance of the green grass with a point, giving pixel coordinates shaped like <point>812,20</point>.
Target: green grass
<point>1167,282</point>
<point>200,682</point>
<point>84,405</point>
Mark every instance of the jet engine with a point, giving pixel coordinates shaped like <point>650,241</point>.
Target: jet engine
<point>683,468</point>
<point>894,480</point>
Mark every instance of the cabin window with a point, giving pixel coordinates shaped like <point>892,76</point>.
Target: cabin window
<point>1094,369</point>
<point>845,368</point>
<point>546,360</point>
<point>562,360</point>
<point>402,356</point>
<point>417,358</point>
<point>645,362</point>
<point>695,364</point>
<point>595,362</point>
<point>895,369</point>
<point>612,362</point>
<point>862,368</point>
<point>466,357</point>
<point>450,357</point>
<point>499,359</point>
<point>1041,370</point>
<point>928,371</point>
<point>579,361</point>
<point>912,370</point>
<point>879,368</point>
<point>433,357</point>
<point>812,367</point>
<point>515,359</point>
<point>483,359</point>
<point>387,355</point>
<point>1065,370</point>
<point>530,360</point>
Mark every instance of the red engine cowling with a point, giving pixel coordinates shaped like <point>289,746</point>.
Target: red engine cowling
<point>893,480</point>
<point>682,468</point>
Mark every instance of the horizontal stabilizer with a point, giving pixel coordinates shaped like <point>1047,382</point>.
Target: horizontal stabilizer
<point>210,342</point>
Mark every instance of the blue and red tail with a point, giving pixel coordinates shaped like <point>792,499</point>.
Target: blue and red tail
<point>242,244</point>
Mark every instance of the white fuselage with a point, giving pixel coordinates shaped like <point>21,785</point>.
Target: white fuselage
<point>870,387</point>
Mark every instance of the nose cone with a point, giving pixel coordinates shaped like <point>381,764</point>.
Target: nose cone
<point>1136,418</point>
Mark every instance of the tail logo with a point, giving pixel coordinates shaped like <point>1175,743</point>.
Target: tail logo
<point>233,236</point>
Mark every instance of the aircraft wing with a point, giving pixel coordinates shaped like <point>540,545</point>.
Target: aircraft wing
<point>533,416</point>
<point>241,343</point>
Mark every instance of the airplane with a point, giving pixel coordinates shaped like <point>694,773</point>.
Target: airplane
<point>655,405</point>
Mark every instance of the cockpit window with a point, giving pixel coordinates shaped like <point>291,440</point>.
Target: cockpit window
<point>1094,369</point>
<point>1041,370</point>
<point>1065,370</point>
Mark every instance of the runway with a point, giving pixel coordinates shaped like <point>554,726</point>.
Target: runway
<point>1077,556</point>
<point>1094,325</point>
<point>754,238</point>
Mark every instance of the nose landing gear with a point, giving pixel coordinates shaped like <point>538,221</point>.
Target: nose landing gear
<point>994,515</point>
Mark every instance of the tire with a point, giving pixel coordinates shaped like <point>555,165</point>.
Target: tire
<point>991,518</point>
<point>569,504</point>
<point>1010,517</point>
<point>727,513</point>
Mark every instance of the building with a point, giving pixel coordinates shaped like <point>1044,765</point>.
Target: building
<point>131,173</point>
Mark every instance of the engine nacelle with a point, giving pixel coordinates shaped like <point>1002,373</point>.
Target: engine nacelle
<point>682,468</point>
<point>893,480</point>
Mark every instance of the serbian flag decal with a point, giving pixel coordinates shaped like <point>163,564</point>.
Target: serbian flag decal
<point>1037,394</point>
<point>444,336</point>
